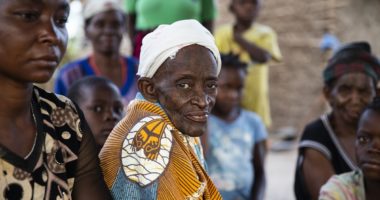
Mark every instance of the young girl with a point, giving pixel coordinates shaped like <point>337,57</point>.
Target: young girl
<point>46,148</point>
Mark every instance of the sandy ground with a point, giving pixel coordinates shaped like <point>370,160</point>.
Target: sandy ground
<point>280,168</point>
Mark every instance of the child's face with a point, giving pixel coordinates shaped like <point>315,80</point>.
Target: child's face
<point>230,88</point>
<point>368,145</point>
<point>103,108</point>
<point>245,11</point>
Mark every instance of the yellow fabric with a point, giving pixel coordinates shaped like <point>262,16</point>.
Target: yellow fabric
<point>183,176</point>
<point>256,91</point>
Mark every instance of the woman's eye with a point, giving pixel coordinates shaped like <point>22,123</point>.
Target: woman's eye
<point>62,21</point>
<point>212,86</point>
<point>28,16</point>
<point>184,85</point>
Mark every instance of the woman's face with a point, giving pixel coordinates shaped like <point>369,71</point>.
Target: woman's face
<point>33,38</point>
<point>186,88</point>
<point>105,31</point>
<point>349,96</point>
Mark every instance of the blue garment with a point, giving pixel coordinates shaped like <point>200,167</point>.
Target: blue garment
<point>329,41</point>
<point>230,153</point>
<point>75,70</point>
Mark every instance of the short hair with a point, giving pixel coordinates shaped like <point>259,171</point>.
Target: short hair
<point>74,93</point>
<point>232,61</point>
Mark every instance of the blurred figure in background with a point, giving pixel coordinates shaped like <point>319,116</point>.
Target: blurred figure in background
<point>362,183</point>
<point>236,138</point>
<point>256,44</point>
<point>327,144</point>
<point>105,24</point>
<point>101,103</point>
<point>145,15</point>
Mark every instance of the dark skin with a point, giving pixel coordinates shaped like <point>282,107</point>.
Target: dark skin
<point>103,107</point>
<point>246,12</point>
<point>33,39</point>
<point>186,88</point>
<point>368,152</point>
<point>227,107</point>
<point>348,97</point>
<point>105,31</point>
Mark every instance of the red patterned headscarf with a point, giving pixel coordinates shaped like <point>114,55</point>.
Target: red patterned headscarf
<point>353,57</point>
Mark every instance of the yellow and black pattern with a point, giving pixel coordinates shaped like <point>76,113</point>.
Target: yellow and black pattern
<point>44,173</point>
<point>151,152</point>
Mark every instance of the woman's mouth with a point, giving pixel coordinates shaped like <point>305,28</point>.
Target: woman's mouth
<point>200,117</point>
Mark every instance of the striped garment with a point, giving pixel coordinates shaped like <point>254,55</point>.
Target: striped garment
<point>146,157</point>
<point>347,186</point>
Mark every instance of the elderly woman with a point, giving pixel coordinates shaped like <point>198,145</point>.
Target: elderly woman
<point>104,27</point>
<point>363,183</point>
<point>327,144</point>
<point>46,148</point>
<point>155,151</point>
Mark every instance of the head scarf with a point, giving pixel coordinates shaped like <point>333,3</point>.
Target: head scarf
<point>166,40</point>
<point>353,57</point>
<point>94,7</point>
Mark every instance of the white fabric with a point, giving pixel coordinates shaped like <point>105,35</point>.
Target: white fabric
<point>93,7</point>
<point>166,40</point>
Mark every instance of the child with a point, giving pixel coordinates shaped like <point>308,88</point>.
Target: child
<point>102,105</point>
<point>364,182</point>
<point>236,139</point>
<point>256,45</point>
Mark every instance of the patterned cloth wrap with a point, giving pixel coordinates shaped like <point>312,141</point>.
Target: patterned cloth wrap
<point>146,157</point>
<point>353,57</point>
<point>347,186</point>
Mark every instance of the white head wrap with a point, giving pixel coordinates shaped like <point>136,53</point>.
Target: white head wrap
<point>93,7</point>
<point>166,40</point>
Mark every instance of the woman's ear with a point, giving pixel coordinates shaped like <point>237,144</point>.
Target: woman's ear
<point>147,89</point>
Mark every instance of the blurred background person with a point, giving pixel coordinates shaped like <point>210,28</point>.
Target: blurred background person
<point>236,138</point>
<point>101,103</point>
<point>362,183</point>
<point>105,24</point>
<point>145,15</point>
<point>327,144</point>
<point>256,44</point>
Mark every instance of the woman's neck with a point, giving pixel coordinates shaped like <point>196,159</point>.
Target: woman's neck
<point>106,63</point>
<point>341,127</point>
<point>15,101</point>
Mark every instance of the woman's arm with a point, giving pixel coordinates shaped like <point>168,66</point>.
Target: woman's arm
<point>317,170</point>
